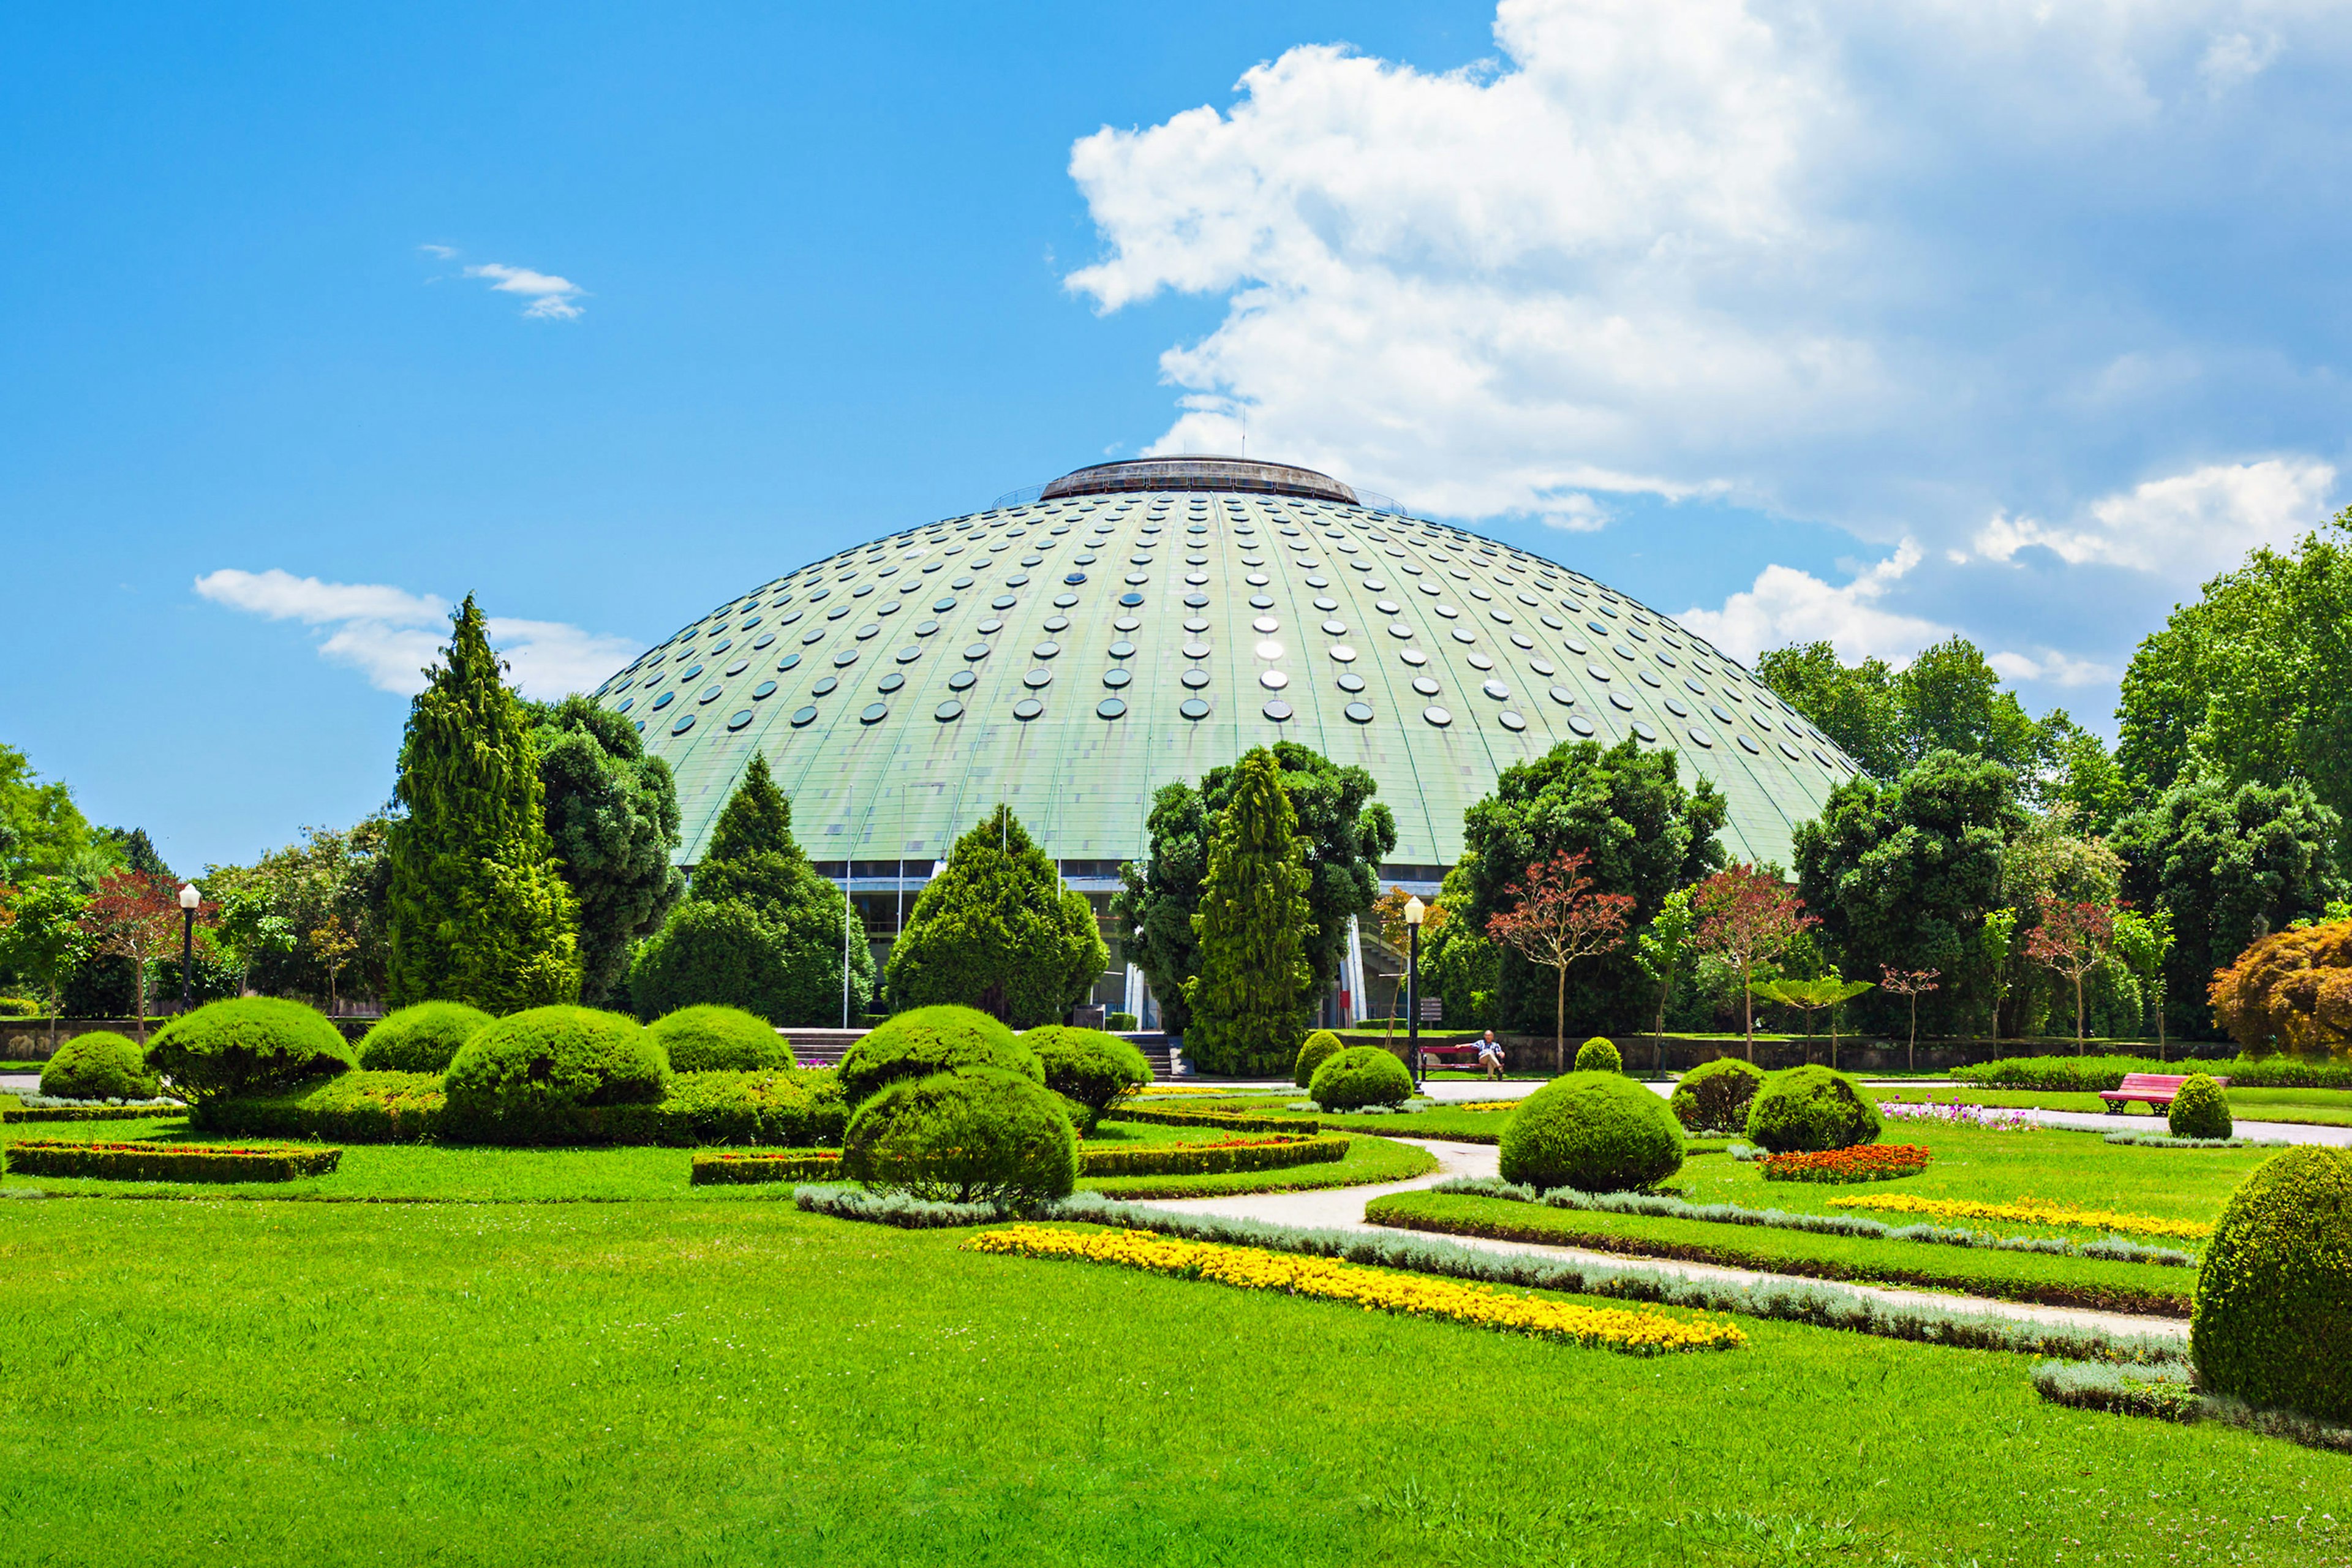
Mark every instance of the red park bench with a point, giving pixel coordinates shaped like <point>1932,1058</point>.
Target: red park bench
<point>1445,1054</point>
<point>2155,1090</point>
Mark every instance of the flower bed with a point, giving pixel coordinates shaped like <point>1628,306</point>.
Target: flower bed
<point>1634,1331</point>
<point>1863,1163</point>
<point>1990,1119</point>
<point>2031,1211</point>
<point>1268,1153</point>
<point>1237,1122</point>
<point>166,1161</point>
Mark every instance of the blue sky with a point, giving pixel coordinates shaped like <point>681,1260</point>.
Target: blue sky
<point>1821,321</point>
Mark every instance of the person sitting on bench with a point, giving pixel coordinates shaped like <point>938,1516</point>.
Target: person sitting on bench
<point>1490,1055</point>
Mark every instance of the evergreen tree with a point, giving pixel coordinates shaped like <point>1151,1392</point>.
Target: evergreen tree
<point>612,815</point>
<point>760,930</point>
<point>1249,1000</point>
<point>478,913</point>
<point>998,931</point>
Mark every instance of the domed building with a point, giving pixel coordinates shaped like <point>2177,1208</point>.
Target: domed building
<point>1070,651</point>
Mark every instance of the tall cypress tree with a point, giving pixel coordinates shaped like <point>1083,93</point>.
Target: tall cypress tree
<point>760,930</point>
<point>478,912</point>
<point>998,931</point>
<point>1249,1000</point>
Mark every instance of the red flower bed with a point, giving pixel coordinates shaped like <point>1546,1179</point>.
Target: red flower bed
<point>1864,1163</point>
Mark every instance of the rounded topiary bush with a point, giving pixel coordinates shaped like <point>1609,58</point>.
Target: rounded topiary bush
<point>1320,1048</point>
<point>711,1038</point>
<point>1357,1076</point>
<point>99,1065</point>
<point>2199,1109</point>
<point>1089,1068</point>
<point>1597,1132</point>
<point>246,1045</point>
<point>927,1040</point>
<point>2273,1311</point>
<point>974,1135</point>
<point>548,1059</point>
<point>421,1039</point>
<point>1810,1109</point>
<point>1596,1055</point>
<point>1713,1096</point>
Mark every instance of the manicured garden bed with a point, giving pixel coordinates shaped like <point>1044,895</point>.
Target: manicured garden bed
<point>860,1394</point>
<point>94,1160</point>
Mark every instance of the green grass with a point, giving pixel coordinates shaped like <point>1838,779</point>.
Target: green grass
<point>2011,1275</point>
<point>2306,1107</point>
<point>723,1383</point>
<point>1444,1121</point>
<point>424,1173</point>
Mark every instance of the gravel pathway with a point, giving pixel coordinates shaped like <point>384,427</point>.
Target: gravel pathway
<point>1343,1209</point>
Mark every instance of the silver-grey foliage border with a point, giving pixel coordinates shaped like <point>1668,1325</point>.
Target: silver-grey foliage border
<point>2169,1392</point>
<point>1658,1207</point>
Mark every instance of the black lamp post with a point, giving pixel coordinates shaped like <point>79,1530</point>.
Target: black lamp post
<point>189,898</point>
<point>1414,910</point>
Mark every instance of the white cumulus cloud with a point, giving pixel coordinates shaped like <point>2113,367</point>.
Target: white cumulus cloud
<point>390,635</point>
<point>1787,605</point>
<point>552,299</point>
<point>2190,523</point>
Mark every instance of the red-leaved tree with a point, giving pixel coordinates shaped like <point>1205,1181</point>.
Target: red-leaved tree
<point>2073,939</point>
<point>135,915</point>
<point>1748,917</point>
<point>1556,918</point>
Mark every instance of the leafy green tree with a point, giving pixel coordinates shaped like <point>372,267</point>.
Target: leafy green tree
<point>41,830</point>
<point>759,929</point>
<point>1249,1002</point>
<point>2143,941</point>
<point>612,816</point>
<point>1950,699</point>
<point>2252,683</point>
<point>1646,833</point>
<point>135,851</point>
<point>1903,875</point>
<point>1666,951</point>
<point>1853,705</point>
<point>997,931</point>
<point>2230,866</point>
<point>479,913</point>
<point>41,937</point>
<point>1348,835</point>
<point>1460,966</point>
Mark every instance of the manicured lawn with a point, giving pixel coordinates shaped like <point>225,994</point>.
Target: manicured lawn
<point>2314,1106</point>
<point>395,1172</point>
<point>2014,1275</point>
<point>1441,1121</point>
<point>723,1383</point>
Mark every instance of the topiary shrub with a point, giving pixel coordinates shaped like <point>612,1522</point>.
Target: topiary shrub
<point>1596,1132</point>
<point>711,1038</point>
<point>1121,1023</point>
<point>421,1039</point>
<point>1091,1069</point>
<point>250,1045</point>
<point>527,1065</point>
<point>2199,1109</point>
<point>927,1040</point>
<point>1357,1076</point>
<point>975,1135</point>
<point>1810,1109</point>
<point>1596,1055</point>
<point>2273,1310</point>
<point>99,1065</point>
<point>1713,1096</point>
<point>1320,1048</point>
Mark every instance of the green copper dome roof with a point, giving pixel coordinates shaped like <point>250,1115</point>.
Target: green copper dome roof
<point>1071,655</point>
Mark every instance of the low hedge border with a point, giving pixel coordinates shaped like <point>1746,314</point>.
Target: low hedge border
<point>1232,1122</point>
<point>2048,1293</point>
<point>1821,1305</point>
<point>1659,1205</point>
<point>2166,1140</point>
<point>893,1208</point>
<point>2091,1074</point>
<point>2169,1393</point>
<point>91,1112</point>
<point>787,1165</point>
<point>165,1162</point>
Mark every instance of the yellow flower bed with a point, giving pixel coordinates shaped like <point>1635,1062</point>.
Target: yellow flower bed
<point>1484,1105</point>
<point>1638,1331</point>
<point>2031,1211</point>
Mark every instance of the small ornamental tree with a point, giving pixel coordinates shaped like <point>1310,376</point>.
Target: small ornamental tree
<point>1748,917</point>
<point>478,912</point>
<point>2071,940</point>
<point>1810,997</point>
<point>1665,950</point>
<point>135,916</point>
<point>1553,920</point>
<point>1912,984</point>
<point>997,931</point>
<point>41,935</point>
<point>1249,1000</point>
<point>2144,942</point>
<point>2290,991</point>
